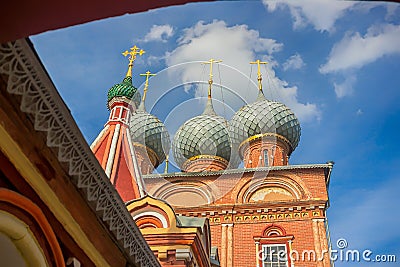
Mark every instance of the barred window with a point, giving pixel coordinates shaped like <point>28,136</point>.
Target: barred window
<point>266,161</point>
<point>274,255</point>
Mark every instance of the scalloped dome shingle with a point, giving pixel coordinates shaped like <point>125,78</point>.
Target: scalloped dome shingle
<point>206,134</point>
<point>148,130</point>
<point>265,116</point>
<point>124,89</point>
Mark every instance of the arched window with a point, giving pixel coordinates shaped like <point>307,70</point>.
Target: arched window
<point>273,247</point>
<point>265,154</point>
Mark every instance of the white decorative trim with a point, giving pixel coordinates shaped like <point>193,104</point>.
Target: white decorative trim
<point>111,154</point>
<point>49,114</point>
<point>121,117</point>
<point>98,138</point>
<point>153,214</point>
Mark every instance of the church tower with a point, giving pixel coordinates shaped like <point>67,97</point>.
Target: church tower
<point>269,213</point>
<point>132,141</point>
<point>113,147</point>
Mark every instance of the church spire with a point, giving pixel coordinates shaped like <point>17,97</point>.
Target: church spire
<point>209,109</point>
<point>132,57</point>
<point>146,86</point>
<point>259,79</point>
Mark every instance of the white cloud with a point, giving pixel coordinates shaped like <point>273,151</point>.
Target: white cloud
<point>159,33</point>
<point>236,46</point>
<point>295,62</point>
<point>322,14</point>
<point>346,87</point>
<point>354,51</point>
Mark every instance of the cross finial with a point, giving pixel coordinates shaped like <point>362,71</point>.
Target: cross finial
<point>146,84</point>
<point>259,77</point>
<point>132,56</point>
<point>210,81</point>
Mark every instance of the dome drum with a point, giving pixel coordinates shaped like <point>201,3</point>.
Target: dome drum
<point>268,138</point>
<point>124,90</point>
<point>147,158</point>
<point>265,150</point>
<point>204,163</point>
<point>119,100</point>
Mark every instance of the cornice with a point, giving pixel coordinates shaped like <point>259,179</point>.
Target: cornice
<point>259,212</point>
<point>325,166</point>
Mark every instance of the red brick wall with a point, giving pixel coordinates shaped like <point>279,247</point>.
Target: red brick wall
<point>295,216</point>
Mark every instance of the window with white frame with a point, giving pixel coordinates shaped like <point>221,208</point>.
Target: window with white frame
<point>274,255</point>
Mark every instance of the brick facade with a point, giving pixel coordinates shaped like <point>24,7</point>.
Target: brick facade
<point>244,202</point>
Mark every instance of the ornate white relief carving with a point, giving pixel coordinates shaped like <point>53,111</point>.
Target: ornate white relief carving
<point>40,99</point>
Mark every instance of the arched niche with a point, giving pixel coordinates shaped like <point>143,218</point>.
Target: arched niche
<point>274,188</point>
<point>150,213</point>
<point>184,193</point>
<point>271,193</point>
<point>23,222</point>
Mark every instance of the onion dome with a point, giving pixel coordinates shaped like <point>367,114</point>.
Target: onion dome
<point>265,117</point>
<point>124,89</point>
<point>203,142</point>
<point>204,135</point>
<point>147,130</point>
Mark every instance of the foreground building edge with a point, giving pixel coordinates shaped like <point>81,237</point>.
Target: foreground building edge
<point>26,88</point>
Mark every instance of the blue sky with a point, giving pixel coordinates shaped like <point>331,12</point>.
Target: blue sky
<point>335,64</point>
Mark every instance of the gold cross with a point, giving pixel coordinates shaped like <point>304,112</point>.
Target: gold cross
<point>146,84</point>
<point>259,77</point>
<point>132,54</point>
<point>210,81</point>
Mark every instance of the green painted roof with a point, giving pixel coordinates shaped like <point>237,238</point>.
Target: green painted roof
<point>124,89</point>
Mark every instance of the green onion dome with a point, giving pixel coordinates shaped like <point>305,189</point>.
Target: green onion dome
<point>146,129</point>
<point>265,117</point>
<point>203,135</point>
<point>124,89</point>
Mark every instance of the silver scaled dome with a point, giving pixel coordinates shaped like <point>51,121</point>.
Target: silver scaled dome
<point>263,117</point>
<point>206,134</point>
<point>148,130</point>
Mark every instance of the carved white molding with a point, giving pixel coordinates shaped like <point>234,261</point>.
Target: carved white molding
<point>39,97</point>
<point>162,219</point>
